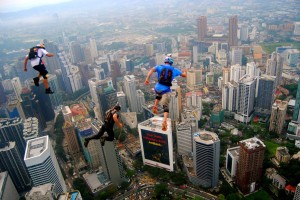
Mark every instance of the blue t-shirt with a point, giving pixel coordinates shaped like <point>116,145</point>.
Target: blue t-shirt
<point>165,76</point>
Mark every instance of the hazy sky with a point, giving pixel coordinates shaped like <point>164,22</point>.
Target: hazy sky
<point>16,5</point>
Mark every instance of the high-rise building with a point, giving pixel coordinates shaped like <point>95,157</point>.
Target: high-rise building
<point>176,105</point>
<point>130,91</point>
<point>297,28</point>
<point>292,57</point>
<point>156,145</point>
<point>17,86</point>
<point>55,98</point>
<point>296,114</point>
<point>41,192</point>
<point>12,130</point>
<point>140,100</point>
<point>31,128</point>
<point>122,101</point>
<point>244,32</point>
<point>184,138</point>
<point>233,28</point>
<point>274,67</point>
<point>129,65</point>
<point>12,161</point>
<point>14,108</point>
<point>236,56</point>
<point>76,52</point>
<point>206,155</point>
<point>201,27</point>
<point>232,157</point>
<point>93,48</point>
<point>110,159</point>
<point>297,192</point>
<point>149,49</point>
<point>245,99</point>
<point>266,94</point>
<point>277,118</point>
<point>195,54</point>
<point>161,47</point>
<point>2,94</point>
<point>7,188</point>
<point>250,164</point>
<point>53,62</point>
<point>226,75</point>
<point>70,135</point>
<point>236,72</point>
<point>32,107</point>
<point>229,96</point>
<point>42,164</point>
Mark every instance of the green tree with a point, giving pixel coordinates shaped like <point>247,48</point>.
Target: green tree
<point>161,191</point>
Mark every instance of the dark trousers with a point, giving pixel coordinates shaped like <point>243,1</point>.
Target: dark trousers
<point>103,129</point>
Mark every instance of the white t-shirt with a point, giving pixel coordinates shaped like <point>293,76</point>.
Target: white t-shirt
<point>36,60</point>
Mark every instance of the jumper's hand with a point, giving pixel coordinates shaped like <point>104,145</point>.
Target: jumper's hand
<point>146,82</point>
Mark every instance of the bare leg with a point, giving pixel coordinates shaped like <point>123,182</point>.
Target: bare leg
<point>164,124</point>
<point>46,84</point>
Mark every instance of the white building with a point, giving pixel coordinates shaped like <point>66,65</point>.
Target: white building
<point>195,54</point>
<point>236,56</point>
<point>31,128</point>
<point>17,86</point>
<point>130,91</point>
<point>122,101</point>
<point>140,100</point>
<point>184,138</point>
<point>232,157</point>
<point>274,67</point>
<point>42,164</point>
<point>93,48</point>
<point>236,72</point>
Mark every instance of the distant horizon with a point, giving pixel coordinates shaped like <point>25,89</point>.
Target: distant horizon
<point>10,6</point>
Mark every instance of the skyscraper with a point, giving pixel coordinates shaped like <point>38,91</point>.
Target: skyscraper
<point>274,67</point>
<point>250,165</point>
<point>55,98</point>
<point>201,27</point>
<point>122,101</point>
<point>130,91</point>
<point>12,130</point>
<point>296,114</point>
<point>93,48</point>
<point>12,161</point>
<point>42,164</point>
<point>206,155</point>
<point>277,118</point>
<point>266,94</point>
<point>244,32</point>
<point>2,94</point>
<point>195,54</point>
<point>140,100</point>
<point>184,138</point>
<point>233,27</point>
<point>7,188</point>
<point>70,135</point>
<point>236,56</point>
<point>16,83</point>
<point>31,128</point>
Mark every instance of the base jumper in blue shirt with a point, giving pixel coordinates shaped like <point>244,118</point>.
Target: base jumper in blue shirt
<point>165,75</point>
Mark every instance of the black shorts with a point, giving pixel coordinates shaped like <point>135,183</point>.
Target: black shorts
<point>42,69</point>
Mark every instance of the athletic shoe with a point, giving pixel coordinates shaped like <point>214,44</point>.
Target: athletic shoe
<point>86,142</point>
<point>36,81</point>
<point>102,140</point>
<point>49,91</point>
<point>164,126</point>
<point>154,110</point>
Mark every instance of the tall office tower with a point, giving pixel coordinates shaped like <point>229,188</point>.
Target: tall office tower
<point>297,192</point>
<point>191,117</point>
<point>222,58</point>
<point>232,157</point>
<point>277,118</point>
<point>115,71</point>
<point>99,73</point>
<point>226,75</point>
<point>122,101</point>
<point>2,94</point>
<point>233,27</point>
<point>12,130</point>
<point>245,99</point>
<point>274,67</point>
<point>149,49</point>
<point>93,48</point>
<point>75,78</point>
<point>92,152</point>
<point>140,100</point>
<point>14,109</point>
<point>31,128</point>
<point>42,164</point>
<point>16,83</point>
<point>250,165</point>
<point>129,65</point>
<point>7,188</point>
<point>175,106</point>
<point>184,138</point>
<point>130,91</point>
<point>236,56</point>
<point>12,161</point>
<point>76,53</point>
<point>191,79</point>
<point>65,71</point>
<point>252,70</point>
<point>244,32</point>
<point>32,107</point>
<point>53,62</point>
<point>229,96</point>
<point>296,114</point>
<point>292,56</point>
<point>71,138</point>
<point>206,155</point>
<point>87,54</point>
<point>110,159</point>
<point>108,98</point>
<point>297,28</point>
<point>44,102</point>
<point>55,97</point>
<point>156,145</point>
<point>236,72</point>
<point>42,192</point>
<point>266,94</point>
<point>161,47</point>
<point>195,54</point>
<point>201,27</point>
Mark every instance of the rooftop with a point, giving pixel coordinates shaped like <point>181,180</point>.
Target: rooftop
<point>252,143</point>
<point>41,189</point>
<point>35,147</point>
<point>235,151</point>
<point>206,137</point>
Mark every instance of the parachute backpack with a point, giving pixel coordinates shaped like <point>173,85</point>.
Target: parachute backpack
<point>33,52</point>
<point>108,116</point>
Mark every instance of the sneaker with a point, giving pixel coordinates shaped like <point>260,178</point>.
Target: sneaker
<point>164,126</point>
<point>86,142</point>
<point>154,110</point>
<point>102,140</point>
<point>36,81</point>
<point>49,91</point>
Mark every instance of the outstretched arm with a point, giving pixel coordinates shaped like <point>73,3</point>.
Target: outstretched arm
<point>115,117</point>
<point>25,63</point>
<point>49,54</point>
<point>149,75</point>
